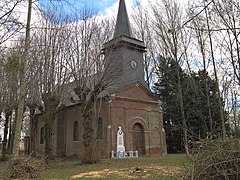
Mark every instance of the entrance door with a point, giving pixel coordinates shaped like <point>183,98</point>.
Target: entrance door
<point>138,138</point>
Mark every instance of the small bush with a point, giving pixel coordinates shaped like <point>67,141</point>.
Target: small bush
<point>214,160</point>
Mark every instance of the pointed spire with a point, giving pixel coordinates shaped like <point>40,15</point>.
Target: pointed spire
<point>122,25</point>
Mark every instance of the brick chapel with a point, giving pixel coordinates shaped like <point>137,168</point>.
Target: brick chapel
<point>131,105</point>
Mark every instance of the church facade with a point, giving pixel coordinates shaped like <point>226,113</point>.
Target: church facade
<point>130,105</point>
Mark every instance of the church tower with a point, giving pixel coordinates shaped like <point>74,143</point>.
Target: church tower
<point>124,53</point>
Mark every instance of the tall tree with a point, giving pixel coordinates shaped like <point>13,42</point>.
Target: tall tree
<point>169,36</point>
<point>166,88</point>
<point>89,72</point>
<point>201,38</point>
<point>197,109</point>
<point>228,28</point>
<point>220,103</point>
<point>194,100</point>
<point>9,94</point>
<point>142,30</point>
<point>22,89</point>
<point>48,60</point>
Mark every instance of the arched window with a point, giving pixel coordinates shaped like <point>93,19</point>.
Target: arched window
<point>99,128</point>
<point>41,135</point>
<point>75,131</point>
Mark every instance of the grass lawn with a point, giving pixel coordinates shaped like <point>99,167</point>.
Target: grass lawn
<point>165,167</point>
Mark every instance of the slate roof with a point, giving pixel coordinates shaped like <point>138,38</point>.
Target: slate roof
<point>122,24</point>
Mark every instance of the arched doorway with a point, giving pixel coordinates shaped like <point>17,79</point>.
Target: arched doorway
<point>138,138</point>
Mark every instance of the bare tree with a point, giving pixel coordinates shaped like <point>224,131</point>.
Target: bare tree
<point>201,36</point>
<point>12,72</point>
<point>22,89</point>
<point>49,60</point>
<point>228,13</point>
<point>143,30</point>
<point>167,21</point>
<point>9,93</point>
<point>220,103</point>
<point>33,96</point>
<point>228,29</point>
<point>9,22</point>
<point>89,72</point>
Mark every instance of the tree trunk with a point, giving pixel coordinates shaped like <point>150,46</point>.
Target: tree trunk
<point>12,133</point>
<point>22,91</point>
<point>206,87</point>
<point>32,148</point>
<point>179,91</point>
<point>88,114</point>
<point>10,137</point>
<point>48,130</point>
<point>220,104</point>
<point>88,157</point>
<point>5,133</point>
<point>51,102</point>
<point>184,123</point>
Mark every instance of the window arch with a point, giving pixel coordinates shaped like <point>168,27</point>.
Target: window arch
<point>41,135</point>
<point>99,128</point>
<point>75,131</point>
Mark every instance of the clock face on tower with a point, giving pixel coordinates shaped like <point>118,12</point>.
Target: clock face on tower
<point>133,64</point>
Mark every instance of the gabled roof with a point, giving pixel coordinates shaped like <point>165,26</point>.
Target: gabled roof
<point>130,87</point>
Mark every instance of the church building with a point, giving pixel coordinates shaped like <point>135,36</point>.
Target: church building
<point>130,105</point>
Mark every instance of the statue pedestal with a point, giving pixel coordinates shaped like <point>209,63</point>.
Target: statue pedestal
<point>120,154</point>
